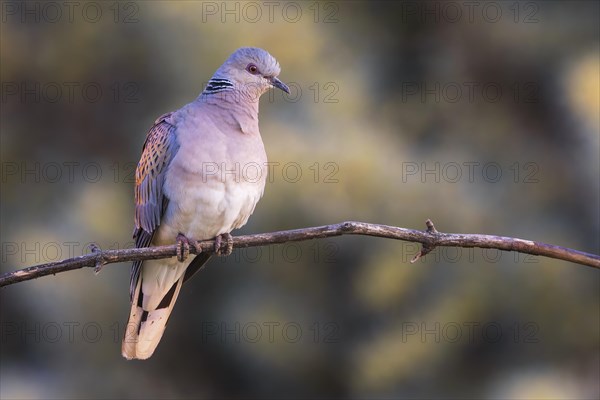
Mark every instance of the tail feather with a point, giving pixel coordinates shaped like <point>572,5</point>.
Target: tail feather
<point>145,328</point>
<point>152,301</point>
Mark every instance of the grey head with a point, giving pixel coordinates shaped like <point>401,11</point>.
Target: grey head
<point>249,70</point>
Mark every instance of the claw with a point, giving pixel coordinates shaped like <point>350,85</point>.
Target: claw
<point>219,250</point>
<point>183,247</point>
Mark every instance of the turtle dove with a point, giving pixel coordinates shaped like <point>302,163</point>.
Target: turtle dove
<point>191,183</point>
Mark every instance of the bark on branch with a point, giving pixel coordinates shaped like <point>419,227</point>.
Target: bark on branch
<point>430,239</point>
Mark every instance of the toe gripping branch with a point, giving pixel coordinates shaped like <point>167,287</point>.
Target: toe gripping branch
<point>183,247</point>
<point>223,246</point>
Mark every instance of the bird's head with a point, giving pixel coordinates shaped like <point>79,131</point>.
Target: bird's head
<point>251,70</point>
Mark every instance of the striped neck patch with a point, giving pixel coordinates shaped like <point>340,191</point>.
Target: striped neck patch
<point>216,85</point>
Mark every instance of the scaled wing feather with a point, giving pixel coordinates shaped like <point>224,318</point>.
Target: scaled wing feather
<point>150,203</point>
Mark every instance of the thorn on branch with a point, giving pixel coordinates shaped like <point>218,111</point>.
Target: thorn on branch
<point>427,247</point>
<point>430,227</point>
<point>100,262</point>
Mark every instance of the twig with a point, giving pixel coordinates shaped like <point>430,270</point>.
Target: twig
<point>430,239</point>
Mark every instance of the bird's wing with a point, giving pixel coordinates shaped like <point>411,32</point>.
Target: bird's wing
<point>150,202</point>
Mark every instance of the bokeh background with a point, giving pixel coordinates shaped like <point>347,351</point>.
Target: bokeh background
<point>484,118</point>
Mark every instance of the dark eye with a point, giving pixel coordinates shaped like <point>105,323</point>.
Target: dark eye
<point>253,69</point>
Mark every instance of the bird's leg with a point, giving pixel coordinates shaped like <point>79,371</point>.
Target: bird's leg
<point>183,247</point>
<point>219,244</point>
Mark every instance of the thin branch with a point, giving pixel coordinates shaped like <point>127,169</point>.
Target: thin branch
<point>429,238</point>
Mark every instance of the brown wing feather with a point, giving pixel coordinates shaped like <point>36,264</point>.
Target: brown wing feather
<point>150,202</point>
<point>158,150</point>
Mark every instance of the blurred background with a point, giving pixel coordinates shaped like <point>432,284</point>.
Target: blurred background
<point>484,118</point>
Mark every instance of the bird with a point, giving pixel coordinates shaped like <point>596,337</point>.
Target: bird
<point>202,171</point>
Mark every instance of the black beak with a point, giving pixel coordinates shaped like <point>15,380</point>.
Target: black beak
<point>278,84</point>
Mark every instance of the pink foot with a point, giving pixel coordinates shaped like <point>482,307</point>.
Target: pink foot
<point>223,249</point>
<point>183,247</point>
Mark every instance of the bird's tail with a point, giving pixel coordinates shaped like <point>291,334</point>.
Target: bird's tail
<point>152,303</point>
<point>145,328</point>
